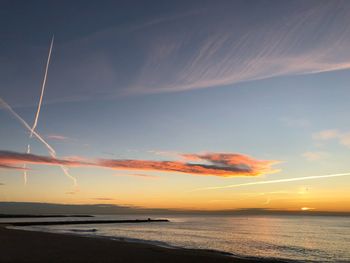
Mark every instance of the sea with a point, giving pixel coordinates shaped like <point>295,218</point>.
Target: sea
<point>299,238</point>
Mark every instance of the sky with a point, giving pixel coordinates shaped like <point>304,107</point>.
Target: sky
<point>207,105</point>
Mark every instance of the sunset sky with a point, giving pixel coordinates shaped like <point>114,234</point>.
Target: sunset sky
<point>177,104</point>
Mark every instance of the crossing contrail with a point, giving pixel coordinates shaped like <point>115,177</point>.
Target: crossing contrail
<point>5,105</point>
<point>274,181</point>
<point>51,151</point>
<point>39,106</point>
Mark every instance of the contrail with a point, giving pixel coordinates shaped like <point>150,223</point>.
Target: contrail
<point>51,151</point>
<point>274,181</point>
<point>25,124</point>
<point>42,89</point>
<point>39,105</point>
<point>25,167</point>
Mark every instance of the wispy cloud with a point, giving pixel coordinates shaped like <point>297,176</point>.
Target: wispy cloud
<point>146,176</point>
<point>315,156</point>
<point>218,45</point>
<point>267,202</point>
<point>342,137</point>
<point>103,199</point>
<point>326,135</point>
<point>296,122</point>
<point>165,153</point>
<point>210,164</point>
<point>209,53</point>
<point>57,137</point>
<point>303,190</point>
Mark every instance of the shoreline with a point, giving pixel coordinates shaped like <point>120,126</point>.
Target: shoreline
<point>37,246</point>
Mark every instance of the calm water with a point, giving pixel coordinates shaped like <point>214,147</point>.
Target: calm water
<point>303,238</point>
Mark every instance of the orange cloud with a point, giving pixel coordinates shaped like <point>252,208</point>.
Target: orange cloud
<point>215,164</point>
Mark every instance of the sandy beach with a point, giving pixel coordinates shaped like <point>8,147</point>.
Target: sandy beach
<point>30,246</point>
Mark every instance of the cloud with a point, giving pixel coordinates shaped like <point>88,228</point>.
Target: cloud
<point>57,137</point>
<point>146,176</point>
<point>7,166</point>
<point>165,153</point>
<point>189,49</point>
<point>296,123</point>
<point>303,190</point>
<point>343,138</point>
<point>234,162</point>
<point>267,202</point>
<point>214,164</point>
<point>12,159</point>
<point>315,156</point>
<point>103,199</point>
<point>326,135</point>
<point>202,51</point>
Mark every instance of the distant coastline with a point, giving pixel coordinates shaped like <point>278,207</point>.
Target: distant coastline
<point>80,222</point>
<point>84,210</point>
<point>39,216</point>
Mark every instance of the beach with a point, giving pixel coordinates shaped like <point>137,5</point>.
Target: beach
<point>31,246</point>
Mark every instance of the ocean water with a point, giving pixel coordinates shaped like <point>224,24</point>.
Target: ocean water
<point>300,238</point>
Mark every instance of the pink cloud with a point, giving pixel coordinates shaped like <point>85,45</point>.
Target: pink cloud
<point>210,164</point>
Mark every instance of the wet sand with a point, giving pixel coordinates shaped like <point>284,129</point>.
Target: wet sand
<point>30,246</point>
